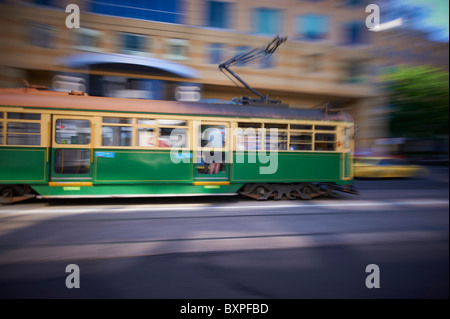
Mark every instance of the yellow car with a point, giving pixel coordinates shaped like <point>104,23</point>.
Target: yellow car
<point>386,167</point>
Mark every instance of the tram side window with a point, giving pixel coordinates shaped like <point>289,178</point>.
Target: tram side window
<point>118,131</point>
<point>276,141</point>
<point>146,136</point>
<point>162,133</point>
<point>22,133</point>
<point>325,128</point>
<point>172,122</point>
<point>248,137</point>
<point>173,137</point>
<point>118,120</point>
<point>24,116</point>
<point>212,136</point>
<point>301,127</point>
<point>300,137</point>
<point>70,131</point>
<point>276,136</point>
<point>325,142</point>
<point>146,122</point>
<point>117,135</point>
<point>1,133</point>
<point>300,141</point>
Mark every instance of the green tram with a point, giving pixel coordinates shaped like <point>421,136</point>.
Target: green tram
<point>69,145</point>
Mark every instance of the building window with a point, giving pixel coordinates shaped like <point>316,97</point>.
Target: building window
<point>177,49</point>
<point>355,3</point>
<point>267,21</point>
<point>356,33</point>
<point>88,40</point>
<point>42,35</point>
<point>313,27</point>
<point>356,72</point>
<point>43,2</point>
<point>266,62</point>
<point>131,43</point>
<point>313,62</point>
<point>219,14</point>
<point>216,53</point>
<point>163,11</point>
<point>242,50</point>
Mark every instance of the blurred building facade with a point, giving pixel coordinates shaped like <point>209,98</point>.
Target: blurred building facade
<point>171,49</point>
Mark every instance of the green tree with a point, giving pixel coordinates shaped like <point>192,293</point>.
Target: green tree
<point>419,100</point>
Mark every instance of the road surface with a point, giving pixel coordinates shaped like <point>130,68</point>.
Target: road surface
<point>222,247</point>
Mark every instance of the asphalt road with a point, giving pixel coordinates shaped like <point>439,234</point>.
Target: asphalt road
<point>232,247</point>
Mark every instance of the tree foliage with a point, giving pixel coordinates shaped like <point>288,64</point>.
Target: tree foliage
<point>419,99</point>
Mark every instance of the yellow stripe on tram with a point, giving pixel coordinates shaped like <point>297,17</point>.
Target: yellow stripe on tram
<point>210,183</point>
<point>56,184</point>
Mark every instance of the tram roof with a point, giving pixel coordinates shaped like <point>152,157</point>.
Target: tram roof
<point>61,100</point>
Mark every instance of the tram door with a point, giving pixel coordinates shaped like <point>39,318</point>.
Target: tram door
<point>211,152</point>
<point>72,150</point>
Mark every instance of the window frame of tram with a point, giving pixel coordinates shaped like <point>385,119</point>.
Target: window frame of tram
<point>282,139</point>
<point>121,133</point>
<point>300,137</point>
<point>20,129</point>
<point>325,138</point>
<point>72,161</point>
<point>249,136</point>
<point>145,132</point>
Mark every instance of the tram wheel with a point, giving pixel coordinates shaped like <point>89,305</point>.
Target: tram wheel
<point>7,193</point>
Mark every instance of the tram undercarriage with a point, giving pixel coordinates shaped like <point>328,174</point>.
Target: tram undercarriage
<point>306,191</point>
